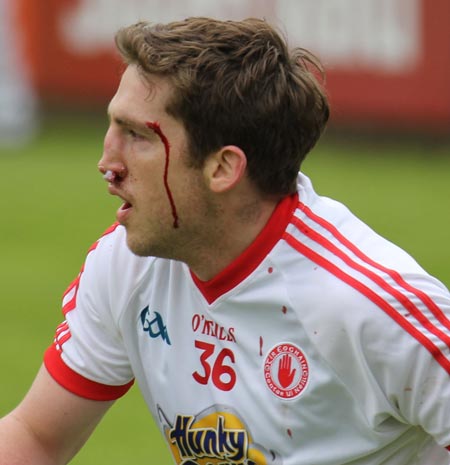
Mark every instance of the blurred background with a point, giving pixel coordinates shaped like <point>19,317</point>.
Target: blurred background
<point>386,152</point>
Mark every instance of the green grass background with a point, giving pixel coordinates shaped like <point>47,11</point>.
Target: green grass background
<point>54,205</point>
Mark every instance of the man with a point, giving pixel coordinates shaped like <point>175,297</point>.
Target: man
<point>263,323</point>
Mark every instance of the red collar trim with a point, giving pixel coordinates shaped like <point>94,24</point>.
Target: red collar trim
<point>255,253</point>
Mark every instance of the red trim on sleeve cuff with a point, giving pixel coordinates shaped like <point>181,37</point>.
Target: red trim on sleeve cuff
<point>76,383</point>
<point>448,448</point>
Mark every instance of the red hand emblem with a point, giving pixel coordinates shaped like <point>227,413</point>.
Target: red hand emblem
<point>285,372</point>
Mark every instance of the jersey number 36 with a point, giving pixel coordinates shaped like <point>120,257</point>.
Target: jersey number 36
<point>214,366</point>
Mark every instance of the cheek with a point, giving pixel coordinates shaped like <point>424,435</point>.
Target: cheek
<point>149,189</point>
<point>191,193</point>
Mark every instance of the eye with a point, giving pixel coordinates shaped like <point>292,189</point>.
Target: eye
<point>137,136</point>
<point>133,134</point>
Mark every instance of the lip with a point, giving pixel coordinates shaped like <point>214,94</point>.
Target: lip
<point>124,211</point>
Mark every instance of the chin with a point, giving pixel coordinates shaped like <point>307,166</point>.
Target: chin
<point>138,247</point>
<point>145,248</point>
<point>139,253</point>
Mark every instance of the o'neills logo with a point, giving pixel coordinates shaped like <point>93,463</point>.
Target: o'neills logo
<point>286,370</point>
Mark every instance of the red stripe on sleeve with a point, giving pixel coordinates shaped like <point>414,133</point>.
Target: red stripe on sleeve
<point>62,335</point>
<point>76,383</point>
<point>374,297</point>
<point>71,303</point>
<point>403,299</point>
<point>434,309</point>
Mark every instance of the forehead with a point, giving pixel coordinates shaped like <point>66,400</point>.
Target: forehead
<point>139,98</point>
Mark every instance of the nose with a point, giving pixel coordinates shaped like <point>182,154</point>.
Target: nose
<point>111,161</point>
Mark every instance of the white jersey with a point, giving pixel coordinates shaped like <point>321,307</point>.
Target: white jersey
<point>322,344</point>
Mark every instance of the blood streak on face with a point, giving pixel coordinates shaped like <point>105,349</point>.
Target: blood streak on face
<point>153,125</point>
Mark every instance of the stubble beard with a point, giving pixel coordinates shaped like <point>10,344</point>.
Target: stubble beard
<point>142,245</point>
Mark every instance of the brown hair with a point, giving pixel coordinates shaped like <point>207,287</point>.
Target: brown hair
<point>236,84</point>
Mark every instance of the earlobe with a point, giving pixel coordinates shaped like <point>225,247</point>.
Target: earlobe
<point>225,168</point>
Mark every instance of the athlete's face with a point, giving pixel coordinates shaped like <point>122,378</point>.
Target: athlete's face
<point>146,150</point>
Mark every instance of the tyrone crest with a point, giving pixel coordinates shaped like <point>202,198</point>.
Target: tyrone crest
<point>286,371</point>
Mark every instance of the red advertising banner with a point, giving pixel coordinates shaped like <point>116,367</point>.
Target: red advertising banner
<point>387,61</point>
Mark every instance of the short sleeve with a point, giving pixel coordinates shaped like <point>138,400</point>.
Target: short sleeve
<point>409,356</point>
<point>88,356</point>
<point>425,397</point>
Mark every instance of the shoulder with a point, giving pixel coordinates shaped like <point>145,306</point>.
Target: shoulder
<point>357,283</point>
<point>111,256</point>
<point>327,233</point>
<point>111,272</point>
<point>112,268</point>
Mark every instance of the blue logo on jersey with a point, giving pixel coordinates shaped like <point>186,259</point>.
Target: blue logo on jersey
<point>153,324</point>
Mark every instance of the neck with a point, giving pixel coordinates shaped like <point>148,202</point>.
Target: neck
<point>230,236</point>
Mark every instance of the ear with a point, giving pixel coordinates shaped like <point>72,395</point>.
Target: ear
<point>225,168</point>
